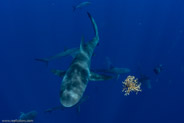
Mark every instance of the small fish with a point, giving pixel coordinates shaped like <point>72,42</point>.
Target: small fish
<point>80,5</point>
<point>158,69</point>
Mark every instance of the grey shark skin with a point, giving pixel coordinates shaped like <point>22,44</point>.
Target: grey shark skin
<point>80,5</point>
<point>76,78</point>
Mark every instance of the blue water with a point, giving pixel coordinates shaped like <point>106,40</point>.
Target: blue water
<point>136,34</point>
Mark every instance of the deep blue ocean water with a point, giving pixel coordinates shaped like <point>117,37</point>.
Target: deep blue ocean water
<point>136,34</point>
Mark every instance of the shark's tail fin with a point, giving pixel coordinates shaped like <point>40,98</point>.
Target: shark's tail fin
<point>94,25</point>
<point>43,60</point>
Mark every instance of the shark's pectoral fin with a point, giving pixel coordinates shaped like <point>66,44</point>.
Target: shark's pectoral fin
<point>81,101</point>
<point>99,77</point>
<point>50,110</point>
<point>59,73</point>
<point>74,53</point>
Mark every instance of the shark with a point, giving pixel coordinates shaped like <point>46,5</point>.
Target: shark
<point>80,5</point>
<point>28,116</point>
<point>76,78</point>
<point>112,69</point>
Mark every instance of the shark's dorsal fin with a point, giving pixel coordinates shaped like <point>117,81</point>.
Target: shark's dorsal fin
<point>82,44</point>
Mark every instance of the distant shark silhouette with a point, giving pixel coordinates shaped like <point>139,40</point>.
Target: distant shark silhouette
<point>80,5</point>
<point>117,71</point>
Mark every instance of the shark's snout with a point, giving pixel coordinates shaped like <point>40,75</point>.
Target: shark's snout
<point>69,98</point>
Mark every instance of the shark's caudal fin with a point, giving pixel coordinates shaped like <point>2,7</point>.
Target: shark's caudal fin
<point>94,25</point>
